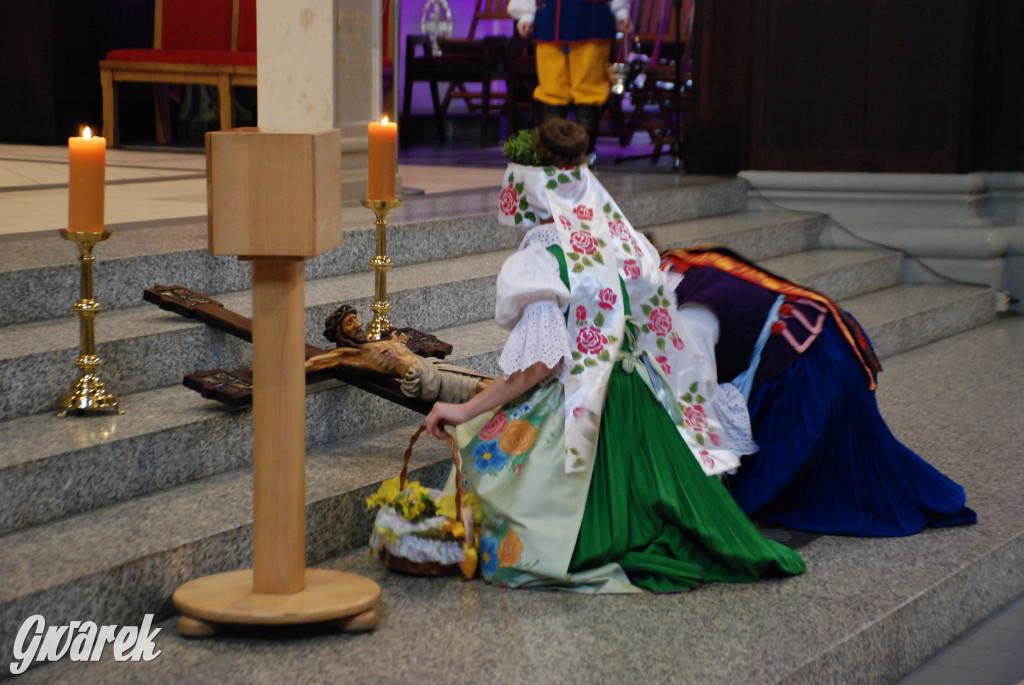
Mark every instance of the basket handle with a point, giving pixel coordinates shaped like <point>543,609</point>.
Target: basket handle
<point>456,459</point>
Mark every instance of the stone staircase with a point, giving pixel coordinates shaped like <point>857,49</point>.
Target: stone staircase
<point>102,517</point>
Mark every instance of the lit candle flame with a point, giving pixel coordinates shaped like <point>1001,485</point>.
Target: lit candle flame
<point>87,133</point>
<point>384,119</point>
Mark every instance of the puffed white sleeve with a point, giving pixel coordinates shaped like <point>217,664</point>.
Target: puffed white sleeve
<point>531,300</point>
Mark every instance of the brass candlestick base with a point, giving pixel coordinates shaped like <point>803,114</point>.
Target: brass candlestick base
<point>88,395</point>
<point>380,263</point>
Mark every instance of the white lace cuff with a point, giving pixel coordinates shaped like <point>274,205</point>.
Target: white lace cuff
<point>732,410</point>
<point>539,336</point>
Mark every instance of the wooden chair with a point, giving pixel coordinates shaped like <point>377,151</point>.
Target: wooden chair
<point>203,42</point>
<point>661,96</point>
<point>462,61</point>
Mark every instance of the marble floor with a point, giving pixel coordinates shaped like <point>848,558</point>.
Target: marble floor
<point>156,186</point>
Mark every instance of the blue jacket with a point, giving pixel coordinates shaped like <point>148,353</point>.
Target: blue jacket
<point>567,21</point>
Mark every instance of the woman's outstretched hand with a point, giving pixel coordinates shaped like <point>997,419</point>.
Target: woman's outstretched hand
<point>444,414</point>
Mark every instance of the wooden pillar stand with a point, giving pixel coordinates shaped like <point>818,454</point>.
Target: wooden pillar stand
<point>275,199</point>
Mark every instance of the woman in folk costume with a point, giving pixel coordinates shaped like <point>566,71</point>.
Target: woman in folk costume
<point>827,461</point>
<point>590,455</point>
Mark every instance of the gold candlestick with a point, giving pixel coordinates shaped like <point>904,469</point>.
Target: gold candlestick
<point>88,394</point>
<point>380,263</point>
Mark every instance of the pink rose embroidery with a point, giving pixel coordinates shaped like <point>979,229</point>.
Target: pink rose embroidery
<point>631,269</point>
<point>661,321</point>
<point>619,230</point>
<point>578,412</point>
<point>716,439</point>
<point>581,313</point>
<point>565,221</point>
<point>665,366</point>
<point>607,299</point>
<point>494,427</point>
<point>696,418</point>
<point>590,340</point>
<point>583,213</point>
<point>508,200</point>
<point>677,342</point>
<point>707,459</point>
<point>583,242</point>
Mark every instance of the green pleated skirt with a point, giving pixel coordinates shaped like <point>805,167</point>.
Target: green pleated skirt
<point>653,510</point>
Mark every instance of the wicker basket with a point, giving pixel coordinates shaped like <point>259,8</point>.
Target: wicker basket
<point>429,567</point>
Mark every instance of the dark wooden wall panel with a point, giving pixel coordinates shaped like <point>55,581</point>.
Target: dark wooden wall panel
<point>866,85</point>
<point>998,114</point>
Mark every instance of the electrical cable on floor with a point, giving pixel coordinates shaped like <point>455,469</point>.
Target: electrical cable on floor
<point>1007,298</point>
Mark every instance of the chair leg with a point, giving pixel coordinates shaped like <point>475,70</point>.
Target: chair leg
<point>162,108</point>
<point>109,89</point>
<point>438,112</point>
<point>485,115</point>
<point>406,111</point>
<point>224,92</point>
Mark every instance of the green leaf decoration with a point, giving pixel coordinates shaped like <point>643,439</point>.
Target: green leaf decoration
<point>613,340</point>
<point>519,218</point>
<point>520,187</point>
<point>694,387</point>
<point>585,227</point>
<point>562,178</point>
<point>645,328</point>
<point>576,370</point>
<point>665,303</point>
<point>604,356</point>
<point>574,256</point>
<point>523,203</point>
<point>530,216</point>
<point>661,290</point>
<point>589,362</point>
<point>654,301</point>
<point>688,398</point>
<point>607,209</point>
<point>646,309</point>
<point>512,178</point>
<point>577,174</point>
<point>700,399</point>
<point>549,170</point>
<point>598,258</point>
<point>552,184</point>
<point>602,243</point>
<point>578,268</point>
<point>616,216</point>
<point>661,344</point>
<point>587,262</point>
<point>576,356</point>
<point>627,248</point>
<point>599,320</point>
<point>700,439</point>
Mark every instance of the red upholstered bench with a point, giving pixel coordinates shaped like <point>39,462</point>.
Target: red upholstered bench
<point>206,42</point>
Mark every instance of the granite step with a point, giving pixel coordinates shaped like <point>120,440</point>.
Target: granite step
<point>41,274</point>
<point>143,347</point>
<point>867,610</point>
<point>126,559</point>
<point>171,445</point>
<point>170,436</point>
<point>52,467</point>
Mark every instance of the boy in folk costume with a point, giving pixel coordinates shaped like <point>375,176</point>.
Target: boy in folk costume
<point>574,40</point>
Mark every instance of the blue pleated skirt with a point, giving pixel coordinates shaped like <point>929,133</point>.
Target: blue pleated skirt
<point>828,462</point>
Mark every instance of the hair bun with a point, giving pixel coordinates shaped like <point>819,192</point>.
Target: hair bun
<point>561,142</point>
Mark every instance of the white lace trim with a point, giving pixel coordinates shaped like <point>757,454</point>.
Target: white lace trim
<point>538,337</point>
<point>732,410</point>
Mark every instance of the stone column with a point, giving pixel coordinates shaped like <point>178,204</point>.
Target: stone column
<point>319,67</point>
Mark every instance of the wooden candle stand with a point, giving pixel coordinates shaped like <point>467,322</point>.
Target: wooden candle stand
<point>275,199</point>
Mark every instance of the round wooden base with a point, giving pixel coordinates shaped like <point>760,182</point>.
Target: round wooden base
<point>228,598</point>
